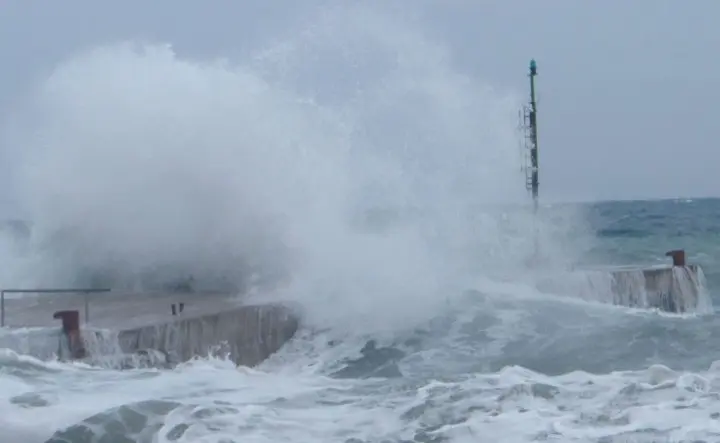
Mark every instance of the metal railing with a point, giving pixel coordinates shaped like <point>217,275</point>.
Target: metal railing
<point>85,293</point>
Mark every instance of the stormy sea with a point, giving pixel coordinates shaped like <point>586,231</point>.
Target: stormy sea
<point>390,210</point>
<point>498,361</point>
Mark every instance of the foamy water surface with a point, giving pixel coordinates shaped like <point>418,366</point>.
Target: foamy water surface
<point>458,378</point>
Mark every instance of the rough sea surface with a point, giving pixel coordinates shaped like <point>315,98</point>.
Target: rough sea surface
<point>504,363</point>
<point>350,163</point>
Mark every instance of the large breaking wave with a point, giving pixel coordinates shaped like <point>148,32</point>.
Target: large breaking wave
<point>350,164</point>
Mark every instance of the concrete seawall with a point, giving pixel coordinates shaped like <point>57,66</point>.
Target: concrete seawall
<point>248,335</point>
<point>145,329</point>
<point>676,289</point>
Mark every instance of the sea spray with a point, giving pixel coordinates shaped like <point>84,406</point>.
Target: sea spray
<point>140,166</point>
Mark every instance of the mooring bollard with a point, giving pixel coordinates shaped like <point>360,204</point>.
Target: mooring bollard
<point>177,308</point>
<point>71,330</point>
<point>678,257</point>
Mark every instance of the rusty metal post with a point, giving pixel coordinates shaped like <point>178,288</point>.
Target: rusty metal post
<point>678,257</point>
<point>71,329</point>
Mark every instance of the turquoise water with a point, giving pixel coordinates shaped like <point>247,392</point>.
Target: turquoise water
<point>633,232</point>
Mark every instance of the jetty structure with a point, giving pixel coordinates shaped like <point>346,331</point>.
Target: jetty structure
<point>677,287</point>
<point>158,329</point>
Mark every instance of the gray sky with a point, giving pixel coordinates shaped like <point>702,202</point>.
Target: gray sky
<point>627,88</point>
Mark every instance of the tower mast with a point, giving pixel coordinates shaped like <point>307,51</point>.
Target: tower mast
<point>529,125</point>
<point>532,142</point>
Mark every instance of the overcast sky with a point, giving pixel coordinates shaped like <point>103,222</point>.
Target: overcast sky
<point>627,89</point>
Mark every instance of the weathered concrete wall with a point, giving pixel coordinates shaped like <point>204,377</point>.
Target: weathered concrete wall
<point>678,289</point>
<point>147,329</point>
<point>248,334</point>
<point>42,343</point>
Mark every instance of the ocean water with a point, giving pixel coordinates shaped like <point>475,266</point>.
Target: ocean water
<point>498,363</point>
<point>353,169</point>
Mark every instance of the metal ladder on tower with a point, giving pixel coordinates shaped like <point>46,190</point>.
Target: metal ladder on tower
<point>525,127</point>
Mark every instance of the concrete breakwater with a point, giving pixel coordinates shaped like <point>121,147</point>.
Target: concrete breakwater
<point>247,335</point>
<point>671,289</point>
<point>145,329</point>
<point>675,289</point>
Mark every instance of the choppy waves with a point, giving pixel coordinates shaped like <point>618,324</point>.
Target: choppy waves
<point>516,404</point>
<point>485,369</point>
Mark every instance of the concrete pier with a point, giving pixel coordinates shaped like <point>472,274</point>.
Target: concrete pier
<point>676,287</point>
<point>145,329</point>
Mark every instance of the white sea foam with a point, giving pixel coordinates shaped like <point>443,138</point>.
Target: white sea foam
<point>211,401</point>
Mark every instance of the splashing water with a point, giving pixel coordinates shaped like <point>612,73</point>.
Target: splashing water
<point>352,170</point>
<point>137,162</point>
